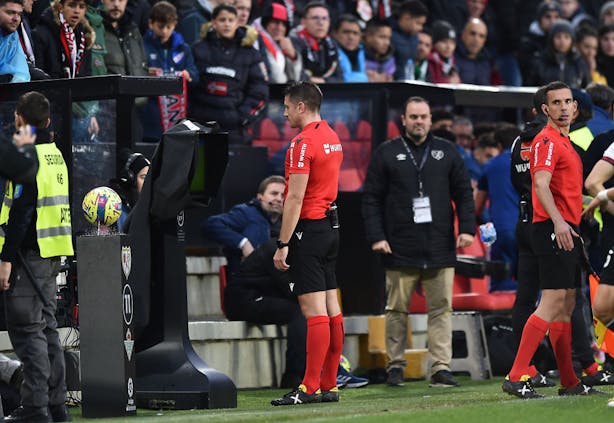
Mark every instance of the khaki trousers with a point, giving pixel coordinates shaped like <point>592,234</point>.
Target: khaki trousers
<point>437,286</point>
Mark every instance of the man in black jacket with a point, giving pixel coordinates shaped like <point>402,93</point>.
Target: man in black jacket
<point>407,206</point>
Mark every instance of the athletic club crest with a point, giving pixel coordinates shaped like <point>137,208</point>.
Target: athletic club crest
<point>126,261</point>
<point>437,154</point>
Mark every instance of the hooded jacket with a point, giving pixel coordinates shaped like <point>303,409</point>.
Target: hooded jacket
<point>391,185</point>
<point>233,88</point>
<point>48,49</point>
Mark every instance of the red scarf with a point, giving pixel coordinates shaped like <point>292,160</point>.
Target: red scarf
<point>72,56</point>
<point>311,41</point>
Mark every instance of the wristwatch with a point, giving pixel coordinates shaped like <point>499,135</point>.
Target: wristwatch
<point>281,244</point>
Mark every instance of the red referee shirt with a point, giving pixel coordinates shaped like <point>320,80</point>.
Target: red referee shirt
<point>316,151</point>
<point>554,153</point>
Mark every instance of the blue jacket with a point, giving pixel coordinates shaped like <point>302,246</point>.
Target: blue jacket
<point>349,74</point>
<point>601,121</point>
<point>12,58</point>
<point>246,220</point>
<point>476,71</point>
<point>176,57</point>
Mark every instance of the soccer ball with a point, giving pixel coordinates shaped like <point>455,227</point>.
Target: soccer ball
<point>345,363</point>
<point>102,205</point>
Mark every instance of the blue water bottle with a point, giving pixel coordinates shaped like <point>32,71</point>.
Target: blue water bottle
<point>488,234</point>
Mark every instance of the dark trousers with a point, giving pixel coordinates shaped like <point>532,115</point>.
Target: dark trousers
<point>244,305</point>
<point>33,332</point>
<point>527,295</point>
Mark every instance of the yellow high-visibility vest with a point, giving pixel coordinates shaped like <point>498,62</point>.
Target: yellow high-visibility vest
<point>53,221</point>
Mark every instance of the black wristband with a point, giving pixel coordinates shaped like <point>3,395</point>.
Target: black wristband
<point>281,244</point>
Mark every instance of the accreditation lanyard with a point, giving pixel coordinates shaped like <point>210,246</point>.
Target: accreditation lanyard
<point>421,205</point>
<point>415,163</point>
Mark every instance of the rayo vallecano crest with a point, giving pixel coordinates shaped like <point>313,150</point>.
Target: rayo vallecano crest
<point>437,154</point>
<point>126,261</point>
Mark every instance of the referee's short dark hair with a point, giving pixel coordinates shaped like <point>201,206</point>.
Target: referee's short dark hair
<point>307,92</point>
<point>34,109</point>
<point>539,98</point>
<point>554,86</point>
<point>273,179</point>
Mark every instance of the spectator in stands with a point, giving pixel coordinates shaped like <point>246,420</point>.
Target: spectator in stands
<point>606,13</point>
<point>138,12</point>
<point>99,48</point>
<point>129,183</point>
<point>536,39</point>
<point>316,48</point>
<point>379,52</point>
<point>398,218</point>
<point>27,42</point>
<point>167,54</point>
<point>284,62</point>
<point>125,50</point>
<point>411,18</point>
<point>192,15</point>
<point>249,225</point>
<point>602,97</point>
<point>495,184</point>
<point>233,89</point>
<point>13,65</point>
<point>605,55</point>
<point>559,61</point>
<point>244,9</point>
<point>462,128</point>
<point>573,11</point>
<point>425,46</point>
<point>486,149</point>
<point>587,43</point>
<point>472,60</point>
<point>442,66</point>
<point>258,293</point>
<point>347,34</point>
<point>63,40</point>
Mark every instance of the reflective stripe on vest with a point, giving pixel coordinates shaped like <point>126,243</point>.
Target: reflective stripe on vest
<point>582,137</point>
<point>6,208</point>
<point>53,222</point>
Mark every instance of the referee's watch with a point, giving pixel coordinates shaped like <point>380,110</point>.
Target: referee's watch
<point>281,244</point>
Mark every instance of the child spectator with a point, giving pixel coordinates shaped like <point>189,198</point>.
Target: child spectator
<point>284,62</point>
<point>587,44</point>
<point>347,34</point>
<point>442,66</point>
<point>233,88</point>
<point>559,61</point>
<point>425,46</point>
<point>167,54</point>
<point>411,18</point>
<point>379,53</point>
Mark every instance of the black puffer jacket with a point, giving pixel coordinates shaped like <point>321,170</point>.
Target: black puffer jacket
<point>233,88</point>
<point>48,50</point>
<point>546,68</point>
<point>390,186</point>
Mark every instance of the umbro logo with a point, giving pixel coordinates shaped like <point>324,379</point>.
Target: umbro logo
<point>401,157</point>
<point>299,235</point>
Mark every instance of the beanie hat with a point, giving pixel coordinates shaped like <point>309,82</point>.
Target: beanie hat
<point>133,163</point>
<point>547,6</point>
<point>561,26</point>
<point>442,30</point>
<point>605,9</point>
<point>275,11</point>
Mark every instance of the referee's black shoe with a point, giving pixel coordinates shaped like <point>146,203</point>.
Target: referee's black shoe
<point>521,389</point>
<point>298,396</point>
<point>580,389</point>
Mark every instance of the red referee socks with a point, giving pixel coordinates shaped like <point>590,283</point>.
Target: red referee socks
<point>318,339</point>
<point>331,364</point>
<point>532,334</point>
<point>560,338</point>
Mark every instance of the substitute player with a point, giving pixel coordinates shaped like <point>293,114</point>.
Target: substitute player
<point>556,170</point>
<point>309,240</point>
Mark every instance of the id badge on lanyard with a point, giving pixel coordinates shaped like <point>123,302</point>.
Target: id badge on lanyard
<point>422,210</point>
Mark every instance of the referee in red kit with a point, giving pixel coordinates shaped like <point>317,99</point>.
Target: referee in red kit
<point>309,240</point>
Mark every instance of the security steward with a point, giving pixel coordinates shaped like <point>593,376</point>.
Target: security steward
<point>309,240</point>
<point>36,232</point>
